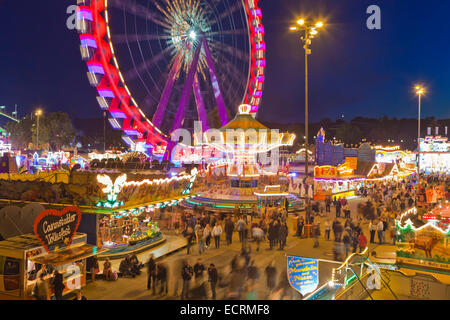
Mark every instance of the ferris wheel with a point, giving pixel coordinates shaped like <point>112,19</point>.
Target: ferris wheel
<point>147,58</point>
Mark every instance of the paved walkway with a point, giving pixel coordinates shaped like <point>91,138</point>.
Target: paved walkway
<point>135,288</point>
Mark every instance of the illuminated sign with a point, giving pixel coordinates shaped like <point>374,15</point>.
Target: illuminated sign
<point>56,228</point>
<point>303,274</point>
<point>387,149</point>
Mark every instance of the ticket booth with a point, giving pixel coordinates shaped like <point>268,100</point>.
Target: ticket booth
<point>21,258</point>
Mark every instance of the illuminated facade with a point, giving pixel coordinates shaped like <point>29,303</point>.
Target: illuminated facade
<point>435,155</point>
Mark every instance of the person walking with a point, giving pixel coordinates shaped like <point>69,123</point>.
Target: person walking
<point>380,228</point>
<point>151,274</point>
<point>282,235</point>
<point>186,274</point>
<point>199,235</point>
<point>199,268</point>
<point>300,225</point>
<point>316,234</point>
<point>339,231</point>
<point>327,204</point>
<point>258,235</point>
<point>40,290</point>
<point>347,241</point>
<point>58,285</point>
<point>385,229</point>
<point>271,273</point>
<point>372,229</point>
<point>338,208</point>
<point>216,232</point>
<point>355,241</point>
<point>252,273</point>
<point>161,275</point>
<point>190,237</point>
<point>272,234</point>
<point>240,228</point>
<point>362,242</point>
<point>327,229</point>
<point>207,235</point>
<point>92,264</point>
<point>229,228</point>
<point>213,278</point>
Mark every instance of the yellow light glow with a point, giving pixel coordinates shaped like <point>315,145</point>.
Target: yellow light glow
<point>301,22</point>
<point>319,24</point>
<point>38,112</point>
<point>314,32</point>
<point>420,90</point>
<point>293,28</point>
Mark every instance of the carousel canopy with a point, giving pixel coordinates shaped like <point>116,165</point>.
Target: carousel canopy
<point>246,130</point>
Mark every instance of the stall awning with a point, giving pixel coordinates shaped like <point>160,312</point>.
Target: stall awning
<point>68,255</point>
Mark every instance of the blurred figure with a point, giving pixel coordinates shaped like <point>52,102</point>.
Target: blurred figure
<point>58,285</point>
<point>258,236</point>
<point>229,228</point>
<point>347,241</point>
<point>282,235</point>
<point>327,228</point>
<point>316,234</point>
<point>216,232</point>
<point>161,276</point>
<point>151,274</point>
<point>186,274</point>
<point>176,280</point>
<point>199,268</point>
<point>271,273</point>
<point>213,278</point>
<point>362,242</point>
<point>252,273</point>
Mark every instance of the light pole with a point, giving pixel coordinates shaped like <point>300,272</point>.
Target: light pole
<point>419,91</point>
<point>38,114</point>
<point>308,31</point>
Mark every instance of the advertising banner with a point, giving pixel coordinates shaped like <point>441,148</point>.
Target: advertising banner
<point>303,274</point>
<point>56,228</point>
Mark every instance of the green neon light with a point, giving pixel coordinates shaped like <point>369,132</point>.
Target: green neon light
<point>353,277</point>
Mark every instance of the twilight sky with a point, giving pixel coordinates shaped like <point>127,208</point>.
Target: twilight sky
<point>353,70</point>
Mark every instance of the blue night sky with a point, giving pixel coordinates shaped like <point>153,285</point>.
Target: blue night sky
<point>354,71</point>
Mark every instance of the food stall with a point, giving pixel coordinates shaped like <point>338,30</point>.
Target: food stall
<point>272,197</point>
<point>336,182</point>
<point>22,256</point>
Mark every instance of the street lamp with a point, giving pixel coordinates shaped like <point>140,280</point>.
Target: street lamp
<point>308,31</point>
<point>419,91</point>
<point>38,113</point>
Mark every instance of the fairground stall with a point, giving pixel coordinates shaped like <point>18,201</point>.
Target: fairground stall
<point>119,210</point>
<point>381,171</point>
<point>22,257</point>
<point>336,182</point>
<point>435,155</point>
<point>272,197</point>
<point>423,240</point>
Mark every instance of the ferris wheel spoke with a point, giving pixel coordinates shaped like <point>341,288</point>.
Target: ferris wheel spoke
<point>139,11</point>
<point>227,13</point>
<point>232,51</point>
<point>127,38</point>
<point>227,67</point>
<point>228,32</point>
<point>146,64</point>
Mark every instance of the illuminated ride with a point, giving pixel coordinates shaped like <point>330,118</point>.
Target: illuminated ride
<point>240,180</point>
<point>147,57</point>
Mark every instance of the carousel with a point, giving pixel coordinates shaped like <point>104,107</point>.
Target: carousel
<point>246,170</point>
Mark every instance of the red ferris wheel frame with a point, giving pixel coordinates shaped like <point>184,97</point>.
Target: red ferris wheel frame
<point>115,97</point>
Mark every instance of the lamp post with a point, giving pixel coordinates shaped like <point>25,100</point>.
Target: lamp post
<point>308,31</point>
<point>38,114</point>
<point>419,91</point>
